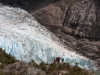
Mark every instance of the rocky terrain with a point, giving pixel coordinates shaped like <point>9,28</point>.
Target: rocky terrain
<point>10,66</point>
<point>75,22</point>
<point>20,68</point>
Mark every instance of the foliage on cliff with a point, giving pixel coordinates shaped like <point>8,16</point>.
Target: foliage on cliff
<point>6,58</point>
<point>61,68</point>
<point>49,69</point>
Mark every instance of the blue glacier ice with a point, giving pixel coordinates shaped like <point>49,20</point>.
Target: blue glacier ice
<point>25,39</point>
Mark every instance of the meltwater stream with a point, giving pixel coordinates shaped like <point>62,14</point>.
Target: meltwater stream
<point>25,39</point>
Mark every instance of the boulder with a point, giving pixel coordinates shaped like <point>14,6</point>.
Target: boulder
<point>51,16</point>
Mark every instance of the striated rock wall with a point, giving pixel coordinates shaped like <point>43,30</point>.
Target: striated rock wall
<point>76,23</point>
<point>80,18</point>
<point>95,29</point>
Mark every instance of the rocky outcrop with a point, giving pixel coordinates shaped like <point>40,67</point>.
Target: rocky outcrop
<point>52,17</point>
<point>76,23</point>
<point>20,68</point>
<point>80,18</point>
<point>95,29</point>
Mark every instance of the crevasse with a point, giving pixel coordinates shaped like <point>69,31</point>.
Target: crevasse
<point>25,39</point>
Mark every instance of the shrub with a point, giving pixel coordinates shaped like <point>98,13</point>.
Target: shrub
<point>38,74</point>
<point>61,67</point>
<point>43,66</point>
<point>76,70</point>
<point>6,58</point>
<point>68,66</point>
<point>52,67</point>
<point>1,73</point>
<point>2,66</point>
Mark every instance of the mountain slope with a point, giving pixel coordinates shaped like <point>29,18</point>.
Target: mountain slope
<point>25,39</point>
<point>76,23</point>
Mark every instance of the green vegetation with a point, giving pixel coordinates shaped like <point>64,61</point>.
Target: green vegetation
<point>51,69</point>
<point>32,63</point>
<point>97,72</point>
<point>6,58</point>
<point>54,68</point>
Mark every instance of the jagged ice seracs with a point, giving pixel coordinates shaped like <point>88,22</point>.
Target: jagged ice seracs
<point>26,39</point>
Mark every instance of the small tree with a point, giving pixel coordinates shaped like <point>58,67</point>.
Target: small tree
<point>43,66</point>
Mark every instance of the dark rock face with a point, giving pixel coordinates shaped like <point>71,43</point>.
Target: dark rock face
<point>29,5</point>
<point>79,18</point>
<point>77,24</point>
<point>95,29</point>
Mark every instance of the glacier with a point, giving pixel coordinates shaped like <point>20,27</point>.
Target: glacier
<point>26,39</point>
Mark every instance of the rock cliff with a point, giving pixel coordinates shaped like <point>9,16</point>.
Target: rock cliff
<point>76,23</point>
<point>78,18</point>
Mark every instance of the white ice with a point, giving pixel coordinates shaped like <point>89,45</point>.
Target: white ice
<point>25,39</point>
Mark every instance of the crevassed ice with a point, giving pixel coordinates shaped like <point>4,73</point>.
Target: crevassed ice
<point>25,39</point>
